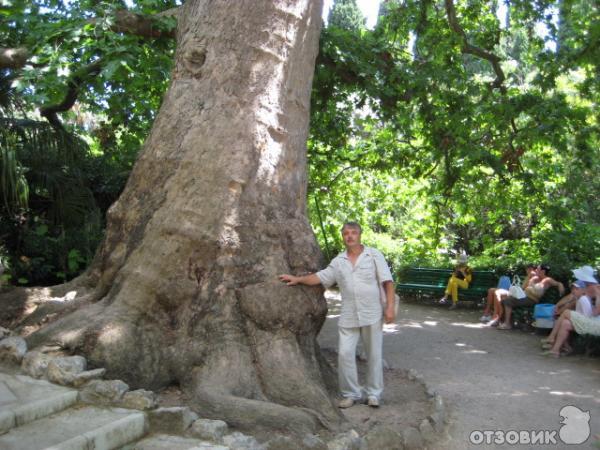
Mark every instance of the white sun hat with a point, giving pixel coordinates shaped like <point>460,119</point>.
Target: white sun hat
<point>585,273</point>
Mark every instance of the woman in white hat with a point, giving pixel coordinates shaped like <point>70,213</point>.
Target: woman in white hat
<point>583,306</point>
<point>460,279</point>
<point>574,321</point>
<point>585,273</point>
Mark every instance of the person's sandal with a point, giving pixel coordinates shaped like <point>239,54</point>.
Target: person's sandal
<point>493,323</point>
<point>551,353</point>
<point>503,326</point>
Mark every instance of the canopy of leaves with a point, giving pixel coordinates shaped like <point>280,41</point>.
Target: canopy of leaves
<point>98,79</point>
<point>452,125</point>
<point>446,129</point>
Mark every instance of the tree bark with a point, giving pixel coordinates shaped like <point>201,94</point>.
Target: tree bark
<point>13,58</point>
<point>186,287</point>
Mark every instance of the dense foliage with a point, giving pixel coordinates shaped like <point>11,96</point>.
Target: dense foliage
<point>72,120</point>
<point>445,129</point>
<point>452,125</point>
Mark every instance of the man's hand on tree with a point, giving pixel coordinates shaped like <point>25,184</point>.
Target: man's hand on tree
<point>290,280</point>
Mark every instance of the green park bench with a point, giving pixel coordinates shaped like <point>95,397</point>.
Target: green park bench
<point>421,282</point>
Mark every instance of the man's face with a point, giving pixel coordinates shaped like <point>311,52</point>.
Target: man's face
<point>351,236</point>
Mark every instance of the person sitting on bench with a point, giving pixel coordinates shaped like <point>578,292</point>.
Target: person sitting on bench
<point>497,294</point>
<point>579,290</point>
<point>569,301</point>
<point>573,321</point>
<point>538,286</point>
<point>460,279</point>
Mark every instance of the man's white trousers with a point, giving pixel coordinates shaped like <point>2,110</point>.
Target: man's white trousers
<point>372,338</point>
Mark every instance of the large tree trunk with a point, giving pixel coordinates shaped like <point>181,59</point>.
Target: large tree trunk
<point>186,285</point>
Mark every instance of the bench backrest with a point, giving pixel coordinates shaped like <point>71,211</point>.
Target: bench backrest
<point>439,277</point>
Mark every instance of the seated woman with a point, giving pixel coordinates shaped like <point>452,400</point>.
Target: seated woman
<point>495,297</point>
<point>585,319</point>
<point>460,279</point>
<point>538,285</point>
<point>569,301</point>
<point>583,307</point>
<point>574,321</point>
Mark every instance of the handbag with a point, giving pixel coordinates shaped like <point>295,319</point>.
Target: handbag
<point>515,290</point>
<point>459,274</point>
<point>383,299</point>
<point>382,294</point>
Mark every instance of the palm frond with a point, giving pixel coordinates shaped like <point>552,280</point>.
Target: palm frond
<point>9,100</point>
<point>49,162</point>
<point>13,185</point>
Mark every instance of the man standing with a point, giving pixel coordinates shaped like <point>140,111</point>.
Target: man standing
<point>359,272</point>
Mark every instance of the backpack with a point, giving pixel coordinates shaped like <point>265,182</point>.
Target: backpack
<point>504,282</point>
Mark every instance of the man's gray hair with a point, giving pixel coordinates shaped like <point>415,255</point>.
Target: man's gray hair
<point>352,225</point>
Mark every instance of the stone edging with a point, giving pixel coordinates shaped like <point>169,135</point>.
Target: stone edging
<point>92,389</point>
<point>434,424</point>
<point>387,437</point>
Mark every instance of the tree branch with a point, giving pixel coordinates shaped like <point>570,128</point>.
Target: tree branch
<point>125,22</point>
<point>50,112</point>
<point>139,25</point>
<point>350,76</point>
<point>13,58</point>
<point>473,50</point>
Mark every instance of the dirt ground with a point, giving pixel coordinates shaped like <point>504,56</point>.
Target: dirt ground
<point>490,379</point>
<point>406,402</point>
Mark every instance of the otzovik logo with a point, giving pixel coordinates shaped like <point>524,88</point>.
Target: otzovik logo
<point>576,425</point>
<point>575,430</point>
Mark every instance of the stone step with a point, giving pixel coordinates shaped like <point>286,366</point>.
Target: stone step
<point>78,428</point>
<point>167,442</point>
<point>24,399</point>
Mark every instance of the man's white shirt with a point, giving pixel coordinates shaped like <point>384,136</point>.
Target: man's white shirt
<point>361,304</point>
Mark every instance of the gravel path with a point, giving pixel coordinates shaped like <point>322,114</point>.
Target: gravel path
<point>490,379</point>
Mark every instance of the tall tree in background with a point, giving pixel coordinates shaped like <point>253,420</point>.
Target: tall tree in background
<point>184,287</point>
<point>345,14</point>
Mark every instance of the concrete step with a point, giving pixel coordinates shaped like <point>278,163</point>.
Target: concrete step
<point>167,442</point>
<point>24,399</point>
<point>78,428</point>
